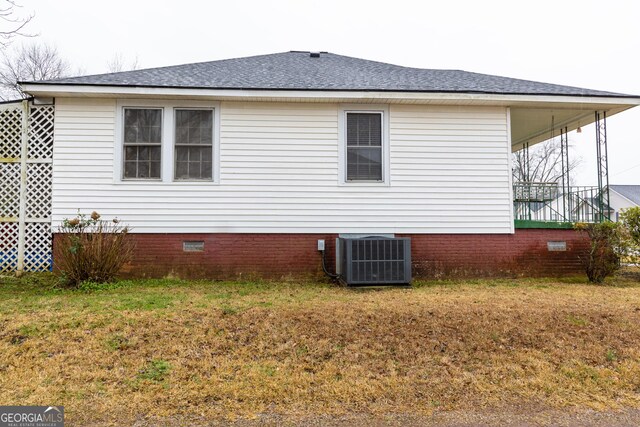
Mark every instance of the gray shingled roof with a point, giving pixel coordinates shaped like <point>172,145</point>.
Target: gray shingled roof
<point>300,71</point>
<point>631,192</point>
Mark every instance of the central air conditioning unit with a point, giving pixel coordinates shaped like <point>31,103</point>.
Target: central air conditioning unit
<point>375,261</point>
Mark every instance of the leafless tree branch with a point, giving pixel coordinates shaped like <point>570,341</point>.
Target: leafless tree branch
<point>30,62</point>
<point>545,163</point>
<point>118,63</point>
<point>12,23</point>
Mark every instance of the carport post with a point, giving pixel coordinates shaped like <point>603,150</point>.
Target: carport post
<point>603,165</point>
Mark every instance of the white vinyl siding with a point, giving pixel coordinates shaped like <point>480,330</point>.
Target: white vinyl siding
<point>279,172</point>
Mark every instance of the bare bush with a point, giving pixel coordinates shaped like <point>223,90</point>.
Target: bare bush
<point>92,249</point>
<point>630,217</point>
<point>608,244</point>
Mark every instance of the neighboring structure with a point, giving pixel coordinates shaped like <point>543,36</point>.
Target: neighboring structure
<point>260,157</point>
<point>623,197</point>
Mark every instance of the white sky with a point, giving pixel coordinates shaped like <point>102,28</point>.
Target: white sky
<point>591,44</point>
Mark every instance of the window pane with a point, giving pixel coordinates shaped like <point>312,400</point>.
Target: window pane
<point>207,136</point>
<point>364,129</point>
<point>182,170</point>
<point>207,155</point>
<point>182,118</point>
<point>130,153</point>
<point>130,134</point>
<point>143,153</point>
<point>206,169</point>
<point>154,169</point>
<point>364,163</point>
<point>142,125</point>
<point>182,154</point>
<point>130,169</point>
<point>194,135</point>
<point>194,127</point>
<point>130,118</point>
<point>194,170</point>
<point>155,134</point>
<point>154,153</point>
<point>193,162</point>
<point>150,117</point>
<point>143,169</point>
<point>194,154</point>
<point>182,134</point>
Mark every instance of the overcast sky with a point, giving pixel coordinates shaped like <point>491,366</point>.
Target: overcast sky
<point>591,44</point>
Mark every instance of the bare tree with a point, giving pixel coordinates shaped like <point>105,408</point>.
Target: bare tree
<point>118,63</point>
<point>28,63</point>
<point>544,163</point>
<point>12,24</point>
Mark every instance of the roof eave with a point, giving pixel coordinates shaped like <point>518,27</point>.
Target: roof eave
<point>505,99</point>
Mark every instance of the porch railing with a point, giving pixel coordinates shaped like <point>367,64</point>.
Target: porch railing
<point>549,202</point>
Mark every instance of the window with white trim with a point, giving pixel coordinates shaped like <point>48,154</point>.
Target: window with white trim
<point>193,144</point>
<point>142,143</point>
<point>168,141</point>
<point>364,146</point>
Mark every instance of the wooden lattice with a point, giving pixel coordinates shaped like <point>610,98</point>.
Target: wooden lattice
<point>10,133</point>
<point>37,246</point>
<point>10,190</point>
<point>8,246</point>
<point>41,133</point>
<point>25,186</point>
<point>38,190</point>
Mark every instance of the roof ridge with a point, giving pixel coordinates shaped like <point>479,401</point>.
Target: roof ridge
<point>298,70</point>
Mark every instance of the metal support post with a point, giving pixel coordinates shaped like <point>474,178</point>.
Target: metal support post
<point>603,165</point>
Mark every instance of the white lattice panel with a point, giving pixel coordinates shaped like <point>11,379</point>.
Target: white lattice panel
<point>41,132</point>
<point>10,132</point>
<point>30,219</point>
<point>8,246</point>
<point>37,254</point>
<point>9,190</point>
<point>39,190</point>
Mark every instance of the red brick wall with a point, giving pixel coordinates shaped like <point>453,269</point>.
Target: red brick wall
<point>280,255</point>
<point>473,255</point>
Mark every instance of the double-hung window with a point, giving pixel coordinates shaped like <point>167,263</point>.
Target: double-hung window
<point>142,143</point>
<point>193,144</point>
<point>364,146</point>
<point>168,141</point>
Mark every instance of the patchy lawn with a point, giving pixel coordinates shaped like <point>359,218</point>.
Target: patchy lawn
<point>160,349</point>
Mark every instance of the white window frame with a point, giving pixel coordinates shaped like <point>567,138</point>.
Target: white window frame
<point>161,144</point>
<point>342,143</point>
<point>213,161</point>
<point>167,150</point>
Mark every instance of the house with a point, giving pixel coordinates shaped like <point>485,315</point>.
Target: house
<point>622,197</point>
<point>238,167</point>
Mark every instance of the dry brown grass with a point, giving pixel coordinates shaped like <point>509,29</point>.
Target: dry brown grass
<point>221,350</point>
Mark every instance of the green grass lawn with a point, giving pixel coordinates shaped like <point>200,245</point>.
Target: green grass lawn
<point>160,348</point>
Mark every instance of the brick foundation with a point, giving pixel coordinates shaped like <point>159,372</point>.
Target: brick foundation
<point>228,256</point>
